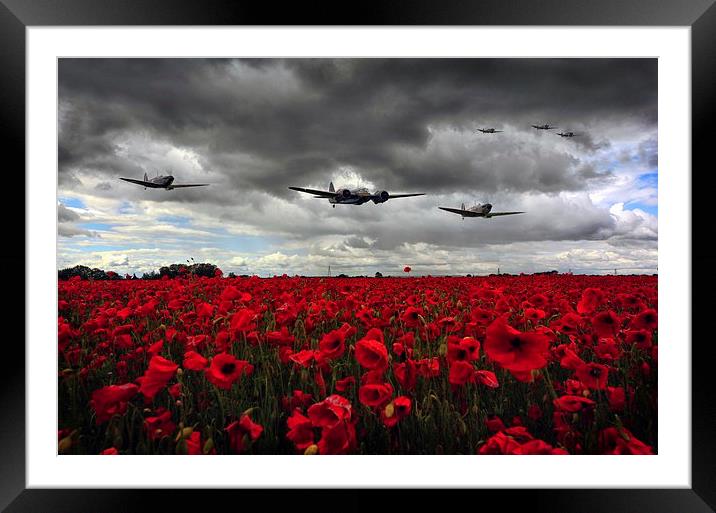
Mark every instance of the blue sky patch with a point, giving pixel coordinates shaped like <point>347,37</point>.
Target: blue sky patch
<point>72,202</point>
<point>97,226</point>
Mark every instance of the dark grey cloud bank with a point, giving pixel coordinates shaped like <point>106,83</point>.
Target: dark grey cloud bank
<point>300,119</point>
<point>255,126</point>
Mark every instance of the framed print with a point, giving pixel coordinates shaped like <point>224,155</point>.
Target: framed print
<point>434,249</point>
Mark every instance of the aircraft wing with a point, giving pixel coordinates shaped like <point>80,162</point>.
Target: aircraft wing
<point>466,213</point>
<point>504,213</point>
<point>189,185</point>
<point>139,182</point>
<point>316,193</point>
<point>405,195</point>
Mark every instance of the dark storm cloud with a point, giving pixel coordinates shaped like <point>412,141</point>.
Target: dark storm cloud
<point>265,124</point>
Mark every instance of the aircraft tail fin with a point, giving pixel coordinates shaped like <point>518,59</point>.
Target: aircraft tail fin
<point>146,178</point>
<point>462,207</point>
<point>331,188</point>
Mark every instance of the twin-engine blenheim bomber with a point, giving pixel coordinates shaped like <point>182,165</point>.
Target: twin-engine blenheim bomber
<point>546,126</point>
<point>344,196</point>
<point>567,134</point>
<point>162,182</point>
<point>477,211</point>
<point>488,130</point>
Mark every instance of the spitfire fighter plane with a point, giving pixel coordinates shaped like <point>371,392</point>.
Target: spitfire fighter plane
<point>546,126</point>
<point>567,134</point>
<point>352,197</point>
<point>161,182</point>
<point>477,211</point>
<point>488,130</point>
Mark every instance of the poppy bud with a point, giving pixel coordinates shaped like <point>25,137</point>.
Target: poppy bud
<point>178,403</point>
<point>442,350</point>
<point>311,450</point>
<point>184,433</point>
<point>180,371</point>
<point>389,410</point>
<point>208,446</point>
<point>64,445</point>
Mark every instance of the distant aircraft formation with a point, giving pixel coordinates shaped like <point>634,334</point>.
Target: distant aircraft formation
<point>546,126</point>
<point>359,196</point>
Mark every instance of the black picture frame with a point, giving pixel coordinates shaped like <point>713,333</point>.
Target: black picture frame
<point>700,15</point>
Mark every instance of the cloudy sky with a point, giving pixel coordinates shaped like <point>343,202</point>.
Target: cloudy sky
<point>253,127</point>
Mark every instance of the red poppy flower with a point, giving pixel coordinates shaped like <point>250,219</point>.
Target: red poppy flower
<point>494,424</point>
<point>572,403</point>
<point>621,441</point>
<point>617,398</point>
<point>647,319</point>
<point>332,410</point>
<point>371,354</point>
<point>642,338</point>
<point>514,350</point>
<point>337,439</point>
<point>240,431</point>
<point>461,372</point>
<point>303,358</point>
<point>487,378</point>
<point>606,324</point>
<point>591,299</point>
<point>225,369</point>
<point>243,321</point>
<point>333,344</point>
<point>193,443</point>
<point>411,316</point>
<point>112,400</point>
<point>395,411</point>
<point>534,315</point>
<point>111,451</point>
<point>344,384</point>
<point>157,375</point>
<point>406,374</point>
<point>570,360</point>
<point>500,444</point>
<point>537,446</point>
<point>194,361</point>
<point>593,375</point>
<point>300,430</point>
<point>375,395</point>
<point>428,367</point>
<point>160,425</point>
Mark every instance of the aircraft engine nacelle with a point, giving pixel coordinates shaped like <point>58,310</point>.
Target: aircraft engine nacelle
<point>346,193</point>
<point>381,197</point>
<point>486,208</point>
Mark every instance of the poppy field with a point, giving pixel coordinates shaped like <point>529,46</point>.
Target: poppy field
<point>529,364</point>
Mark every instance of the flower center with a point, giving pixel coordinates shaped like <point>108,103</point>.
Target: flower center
<point>516,342</point>
<point>228,368</point>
